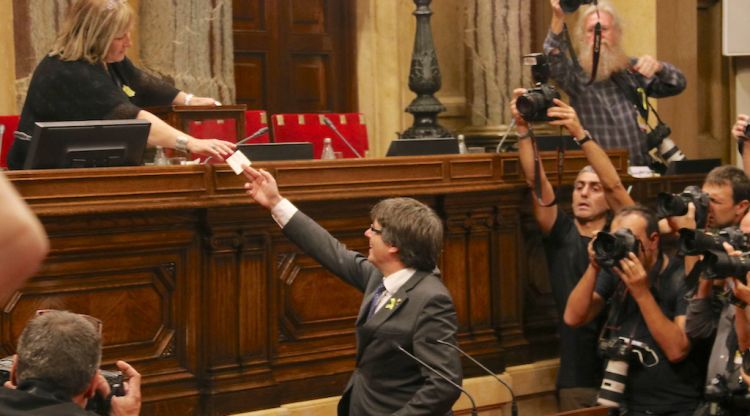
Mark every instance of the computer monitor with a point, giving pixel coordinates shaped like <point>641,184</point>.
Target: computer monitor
<point>421,147</point>
<point>277,151</point>
<point>85,144</point>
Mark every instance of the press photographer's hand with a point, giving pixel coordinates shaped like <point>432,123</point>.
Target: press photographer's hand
<point>632,273</point>
<point>683,221</point>
<point>647,66</point>
<point>738,130</point>
<point>565,116</point>
<point>592,256</point>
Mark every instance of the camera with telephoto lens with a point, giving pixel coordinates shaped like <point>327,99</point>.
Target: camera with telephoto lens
<point>658,138</point>
<point>675,205</point>
<point>695,242</point>
<point>717,264</point>
<point>621,352</point>
<point>725,397</point>
<point>534,103</point>
<point>97,404</point>
<point>570,6</point>
<point>610,248</point>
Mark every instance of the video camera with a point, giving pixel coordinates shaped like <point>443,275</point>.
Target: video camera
<point>534,103</point>
<point>621,352</point>
<point>99,405</point>
<point>695,242</point>
<point>675,205</point>
<point>570,6</point>
<point>610,248</point>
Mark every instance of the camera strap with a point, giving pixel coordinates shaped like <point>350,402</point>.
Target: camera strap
<point>636,94</point>
<point>596,47</point>
<point>538,171</point>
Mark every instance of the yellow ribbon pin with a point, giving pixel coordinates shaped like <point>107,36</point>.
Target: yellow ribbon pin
<point>128,91</point>
<point>392,303</point>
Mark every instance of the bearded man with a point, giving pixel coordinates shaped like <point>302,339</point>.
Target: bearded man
<point>607,106</point>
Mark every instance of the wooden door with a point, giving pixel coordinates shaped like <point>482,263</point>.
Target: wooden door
<point>295,55</point>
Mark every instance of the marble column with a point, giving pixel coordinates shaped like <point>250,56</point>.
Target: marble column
<point>498,34</point>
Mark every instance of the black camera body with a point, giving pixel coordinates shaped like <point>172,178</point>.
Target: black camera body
<point>725,398</point>
<point>610,248</point>
<point>570,6</point>
<point>674,205</point>
<point>717,264</point>
<point>695,242</point>
<point>97,404</point>
<point>534,103</point>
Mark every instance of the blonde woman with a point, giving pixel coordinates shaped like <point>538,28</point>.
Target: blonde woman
<point>87,76</point>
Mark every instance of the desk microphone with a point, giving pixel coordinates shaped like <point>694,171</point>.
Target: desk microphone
<point>513,405</point>
<point>332,126</point>
<point>441,375</point>
<point>261,131</point>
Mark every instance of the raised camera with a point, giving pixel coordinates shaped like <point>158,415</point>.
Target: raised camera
<point>534,103</point>
<point>720,265</point>
<point>610,248</point>
<point>570,6</point>
<point>675,205</point>
<point>695,242</point>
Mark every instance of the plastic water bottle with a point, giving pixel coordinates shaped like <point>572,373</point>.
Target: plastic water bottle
<point>462,145</point>
<point>327,153</point>
<point>160,159</point>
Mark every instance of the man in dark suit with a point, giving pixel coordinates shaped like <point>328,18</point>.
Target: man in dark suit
<point>404,302</point>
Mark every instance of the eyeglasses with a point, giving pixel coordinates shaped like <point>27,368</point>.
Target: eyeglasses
<point>376,230</point>
<point>94,321</point>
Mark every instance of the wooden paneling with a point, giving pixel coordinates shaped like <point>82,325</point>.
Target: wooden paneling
<point>289,54</point>
<point>200,291</point>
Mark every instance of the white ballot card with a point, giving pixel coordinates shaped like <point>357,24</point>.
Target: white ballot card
<point>238,161</point>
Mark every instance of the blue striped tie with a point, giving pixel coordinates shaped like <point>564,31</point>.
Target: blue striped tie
<point>375,300</point>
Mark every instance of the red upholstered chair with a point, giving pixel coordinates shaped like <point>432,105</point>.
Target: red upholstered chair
<point>11,124</point>
<point>254,121</point>
<point>311,128</point>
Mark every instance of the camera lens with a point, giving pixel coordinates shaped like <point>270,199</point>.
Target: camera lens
<point>529,105</point>
<point>612,389</point>
<point>720,265</point>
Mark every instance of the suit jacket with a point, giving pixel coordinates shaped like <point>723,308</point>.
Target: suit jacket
<point>386,381</point>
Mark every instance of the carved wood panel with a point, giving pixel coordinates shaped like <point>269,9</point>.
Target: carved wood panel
<point>289,54</point>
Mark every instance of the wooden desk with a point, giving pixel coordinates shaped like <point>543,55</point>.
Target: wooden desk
<point>200,291</point>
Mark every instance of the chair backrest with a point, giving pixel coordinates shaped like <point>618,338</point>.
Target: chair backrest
<point>254,121</point>
<point>312,128</point>
<point>10,124</point>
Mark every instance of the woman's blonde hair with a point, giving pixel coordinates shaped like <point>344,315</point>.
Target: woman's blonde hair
<point>90,27</point>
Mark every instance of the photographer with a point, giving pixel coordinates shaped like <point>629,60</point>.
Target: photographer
<point>55,371</point>
<point>566,239</point>
<point>607,107</point>
<point>646,291</point>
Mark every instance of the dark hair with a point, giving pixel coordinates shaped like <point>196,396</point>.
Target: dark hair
<point>60,348</point>
<point>652,224</point>
<point>730,175</point>
<point>412,227</point>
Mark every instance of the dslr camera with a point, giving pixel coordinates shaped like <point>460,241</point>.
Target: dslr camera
<point>620,353</point>
<point>674,205</point>
<point>724,397</point>
<point>97,404</point>
<point>570,6</point>
<point>695,242</point>
<point>717,264</point>
<point>666,149</point>
<point>610,248</point>
<point>534,104</point>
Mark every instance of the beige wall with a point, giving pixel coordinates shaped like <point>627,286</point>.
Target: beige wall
<point>7,62</point>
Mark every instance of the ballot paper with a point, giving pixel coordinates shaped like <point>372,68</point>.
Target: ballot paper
<point>238,161</point>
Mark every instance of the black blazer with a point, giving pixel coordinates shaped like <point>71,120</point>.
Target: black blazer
<point>386,381</point>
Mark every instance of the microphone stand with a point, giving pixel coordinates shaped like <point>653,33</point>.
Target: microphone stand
<point>332,126</point>
<point>513,404</point>
<point>441,375</point>
<point>261,131</point>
